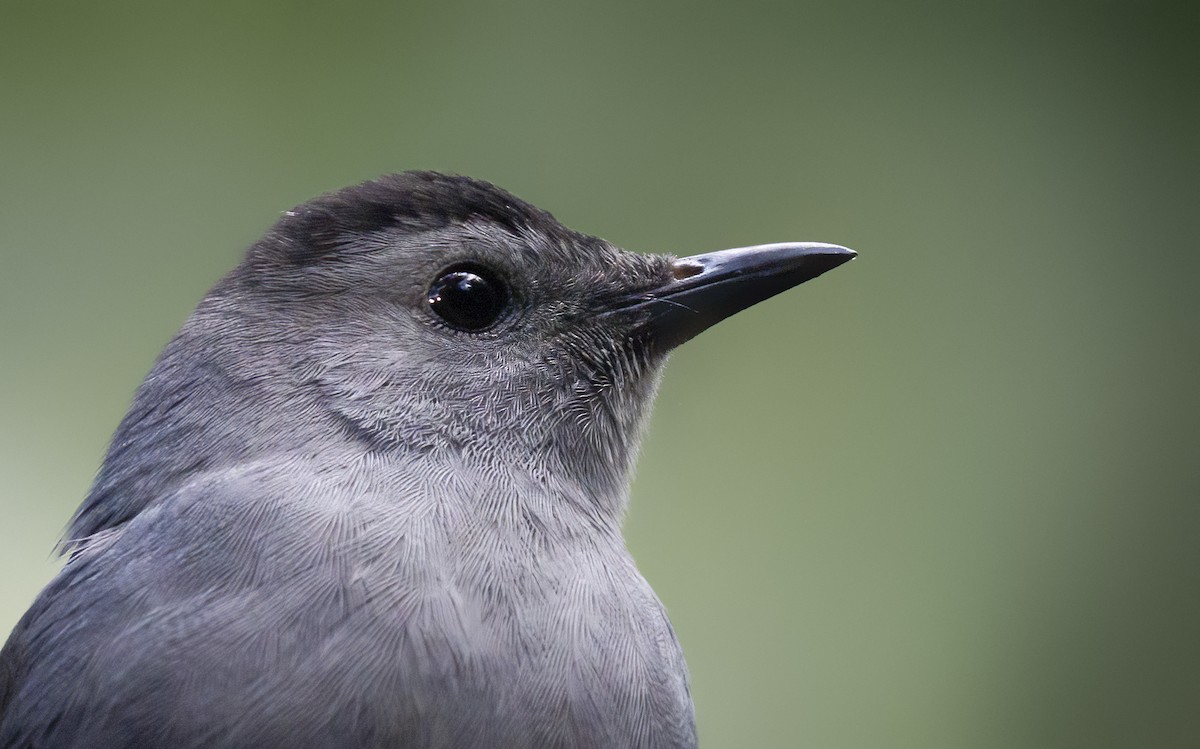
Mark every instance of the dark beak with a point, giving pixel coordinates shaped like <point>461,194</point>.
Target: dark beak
<point>705,289</point>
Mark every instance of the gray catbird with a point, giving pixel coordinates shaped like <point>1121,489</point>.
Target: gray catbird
<point>371,494</point>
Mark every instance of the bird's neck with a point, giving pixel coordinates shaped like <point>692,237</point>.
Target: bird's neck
<point>205,407</point>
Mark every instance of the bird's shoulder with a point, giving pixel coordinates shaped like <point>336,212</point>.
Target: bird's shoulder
<point>202,588</point>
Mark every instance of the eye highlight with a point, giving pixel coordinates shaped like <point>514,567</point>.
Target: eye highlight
<point>468,297</point>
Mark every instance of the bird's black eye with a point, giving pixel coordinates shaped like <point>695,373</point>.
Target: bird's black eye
<point>468,297</point>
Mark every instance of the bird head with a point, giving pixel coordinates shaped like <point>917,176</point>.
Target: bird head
<point>437,317</point>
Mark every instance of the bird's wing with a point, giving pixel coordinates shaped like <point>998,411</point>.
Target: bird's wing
<point>177,616</point>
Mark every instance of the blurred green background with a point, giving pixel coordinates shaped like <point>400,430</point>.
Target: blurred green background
<point>946,496</point>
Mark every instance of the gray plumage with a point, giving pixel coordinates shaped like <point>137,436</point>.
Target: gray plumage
<point>331,519</point>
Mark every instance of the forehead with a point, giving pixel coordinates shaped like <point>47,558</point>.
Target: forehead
<point>417,219</point>
<point>411,202</point>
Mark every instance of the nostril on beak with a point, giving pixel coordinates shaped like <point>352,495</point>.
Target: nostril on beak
<point>682,269</point>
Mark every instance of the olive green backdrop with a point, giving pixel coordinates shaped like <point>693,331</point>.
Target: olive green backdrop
<point>945,496</point>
